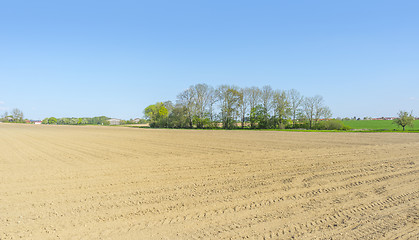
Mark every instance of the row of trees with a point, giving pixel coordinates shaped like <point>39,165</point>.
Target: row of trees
<point>203,106</point>
<point>102,120</point>
<point>15,116</point>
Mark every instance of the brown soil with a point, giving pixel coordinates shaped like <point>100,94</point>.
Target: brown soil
<point>63,182</point>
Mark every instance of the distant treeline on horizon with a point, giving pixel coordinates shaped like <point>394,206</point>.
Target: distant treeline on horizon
<point>228,107</point>
<point>102,120</point>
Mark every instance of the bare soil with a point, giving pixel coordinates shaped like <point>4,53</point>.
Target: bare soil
<point>64,182</point>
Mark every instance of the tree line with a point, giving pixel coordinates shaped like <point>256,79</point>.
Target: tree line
<point>102,120</point>
<point>15,116</point>
<point>228,107</point>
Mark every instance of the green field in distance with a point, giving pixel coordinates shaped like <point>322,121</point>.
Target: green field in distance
<point>378,125</point>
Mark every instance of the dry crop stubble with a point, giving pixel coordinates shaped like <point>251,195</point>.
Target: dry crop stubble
<point>119,183</point>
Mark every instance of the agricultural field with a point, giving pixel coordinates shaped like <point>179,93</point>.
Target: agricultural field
<point>86,182</point>
<point>378,125</point>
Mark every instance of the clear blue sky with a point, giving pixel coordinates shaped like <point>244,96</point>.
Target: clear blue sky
<point>114,58</point>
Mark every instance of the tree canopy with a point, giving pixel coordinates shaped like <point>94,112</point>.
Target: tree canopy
<point>226,106</point>
<point>404,119</point>
<point>157,114</point>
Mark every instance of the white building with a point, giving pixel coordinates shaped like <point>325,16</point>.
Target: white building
<point>114,121</point>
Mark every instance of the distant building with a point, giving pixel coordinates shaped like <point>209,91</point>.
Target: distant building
<point>114,121</point>
<point>384,118</point>
<point>36,121</point>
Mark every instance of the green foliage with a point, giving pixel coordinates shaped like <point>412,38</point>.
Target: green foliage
<point>331,125</point>
<point>163,112</point>
<point>73,121</point>
<point>135,121</point>
<point>263,108</point>
<point>17,115</point>
<point>201,122</point>
<point>63,121</point>
<point>378,125</point>
<point>52,120</point>
<point>157,114</point>
<point>178,118</point>
<point>229,97</point>
<point>261,118</point>
<point>404,119</point>
<point>102,120</point>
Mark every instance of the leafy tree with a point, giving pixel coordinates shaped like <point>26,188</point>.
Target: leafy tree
<point>60,121</point>
<point>65,121</point>
<point>157,114</point>
<point>45,121</point>
<point>163,112</point>
<point>73,121</point>
<point>266,97</point>
<point>177,118</point>
<point>52,120</point>
<point>17,115</point>
<point>404,119</point>
<point>229,97</point>
<point>281,107</point>
<point>150,112</point>
<point>260,116</point>
<point>102,120</point>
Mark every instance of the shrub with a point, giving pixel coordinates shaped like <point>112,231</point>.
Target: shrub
<point>332,125</point>
<point>281,126</point>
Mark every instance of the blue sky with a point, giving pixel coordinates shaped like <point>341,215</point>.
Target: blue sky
<point>114,58</point>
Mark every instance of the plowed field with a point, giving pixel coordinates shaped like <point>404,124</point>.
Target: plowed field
<point>64,182</point>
